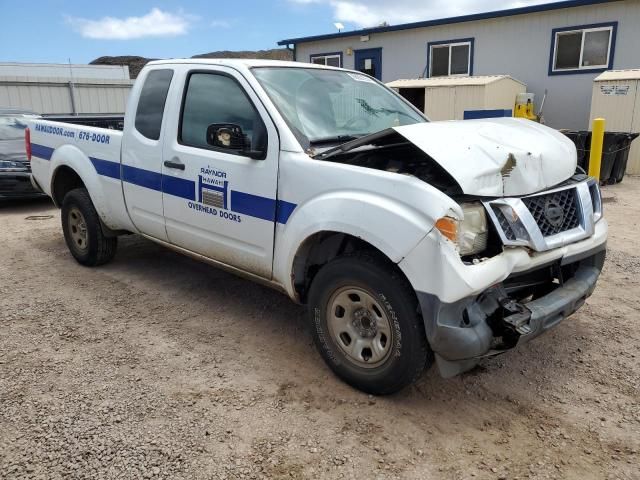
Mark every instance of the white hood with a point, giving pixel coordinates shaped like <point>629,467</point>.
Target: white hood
<point>496,157</point>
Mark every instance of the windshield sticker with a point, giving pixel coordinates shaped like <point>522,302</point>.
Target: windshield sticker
<point>360,78</point>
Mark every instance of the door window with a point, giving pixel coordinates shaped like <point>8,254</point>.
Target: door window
<point>218,99</point>
<point>151,103</point>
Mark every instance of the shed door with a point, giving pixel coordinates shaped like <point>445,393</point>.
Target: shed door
<point>440,103</point>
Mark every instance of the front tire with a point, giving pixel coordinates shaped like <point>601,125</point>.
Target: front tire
<point>365,322</point>
<point>82,230</point>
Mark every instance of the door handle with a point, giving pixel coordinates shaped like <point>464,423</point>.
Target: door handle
<point>175,163</point>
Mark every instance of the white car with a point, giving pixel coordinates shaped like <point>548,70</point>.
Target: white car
<point>410,241</point>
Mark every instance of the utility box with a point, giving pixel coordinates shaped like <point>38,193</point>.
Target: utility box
<point>448,98</point>
<point>616,98</point>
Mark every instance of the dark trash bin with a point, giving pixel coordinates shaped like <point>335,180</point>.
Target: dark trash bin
<point>610,150</point>
<point>615,153</point>
<point>620,164</point>
<point>582,141</point>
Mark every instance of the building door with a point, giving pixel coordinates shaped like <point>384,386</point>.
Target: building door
<point>369,61</point>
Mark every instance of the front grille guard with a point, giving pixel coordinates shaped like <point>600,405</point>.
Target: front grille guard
<point>517,226</point>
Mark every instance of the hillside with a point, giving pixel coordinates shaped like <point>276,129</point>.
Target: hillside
<point>136,63</point>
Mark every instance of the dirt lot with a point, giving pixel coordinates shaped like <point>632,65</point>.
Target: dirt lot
<point>156,366</point>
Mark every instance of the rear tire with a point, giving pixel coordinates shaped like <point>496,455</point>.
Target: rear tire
<point>83,232</point>
<point>365,322</point>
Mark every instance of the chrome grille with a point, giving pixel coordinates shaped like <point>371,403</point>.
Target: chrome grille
<point>548,220</point>
<point>504,224</point>
<point>562,200</point>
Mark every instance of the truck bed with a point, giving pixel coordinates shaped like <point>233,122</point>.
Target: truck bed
<point>111,122</point>
<point>87,150</point>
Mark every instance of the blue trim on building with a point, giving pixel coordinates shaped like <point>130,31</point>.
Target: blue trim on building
<point>471,40</point>
<point>450,20</point>
<point>612,48</point>
<point>478,114</point>
<point>316,55</point>
<point>244,203</point>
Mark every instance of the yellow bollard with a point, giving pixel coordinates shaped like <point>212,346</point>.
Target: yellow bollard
<point>597,139</point>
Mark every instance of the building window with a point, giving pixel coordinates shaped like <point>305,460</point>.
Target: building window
<point>451,58</point>
<point>328,59</point>
<point>582,49</point>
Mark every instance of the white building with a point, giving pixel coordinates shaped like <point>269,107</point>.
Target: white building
<point>559,47</point>
<point>59,89</point>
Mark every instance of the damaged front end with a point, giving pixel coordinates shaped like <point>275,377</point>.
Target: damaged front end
<point>509,313</point>
<point>559,239</point>
<point>525,253</point>
<point>484,158</point>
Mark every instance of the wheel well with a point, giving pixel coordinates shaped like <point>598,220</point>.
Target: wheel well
<point>65,179</point>
<point>319,249</point>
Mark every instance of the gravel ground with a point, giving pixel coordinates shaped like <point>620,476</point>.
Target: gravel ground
<point>156,366</point>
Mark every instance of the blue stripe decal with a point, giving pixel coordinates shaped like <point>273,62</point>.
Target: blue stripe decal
<point>179,187</point>
<point>142,178</point>
<point>244,203</point>
<point>284,211</point>
<point>253,205</point>
<point>41,151</point>
<point>106,168</point>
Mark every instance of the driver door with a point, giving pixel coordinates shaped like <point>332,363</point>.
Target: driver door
<point>218,202</point>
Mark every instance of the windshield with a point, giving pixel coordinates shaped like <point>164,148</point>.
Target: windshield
<point>333,106</point>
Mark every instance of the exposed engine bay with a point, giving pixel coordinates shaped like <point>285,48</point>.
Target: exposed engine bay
<point>391,152</point>
<point>500,157</point>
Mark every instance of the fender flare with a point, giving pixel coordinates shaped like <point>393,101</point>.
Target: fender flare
<point>72,157</point>
<point>392,227</point>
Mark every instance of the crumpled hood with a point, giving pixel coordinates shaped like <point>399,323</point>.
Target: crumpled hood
<point>496,157</point>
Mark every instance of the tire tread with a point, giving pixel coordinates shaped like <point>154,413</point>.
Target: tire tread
<point>422,356</point>
<point>106,247</point>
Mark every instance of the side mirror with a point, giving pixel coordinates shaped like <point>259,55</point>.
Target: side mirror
<point>229,136</point>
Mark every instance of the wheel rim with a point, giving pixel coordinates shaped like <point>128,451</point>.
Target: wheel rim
<point>359,326</point>
<point>78,229</point>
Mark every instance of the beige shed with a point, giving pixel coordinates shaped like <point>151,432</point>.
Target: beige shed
<point>447,98</point>
<point>616,98</point>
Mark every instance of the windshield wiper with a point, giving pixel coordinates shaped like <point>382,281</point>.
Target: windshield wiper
<point>333,139</point>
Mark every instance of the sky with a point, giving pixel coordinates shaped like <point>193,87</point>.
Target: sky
<point>57,31</point>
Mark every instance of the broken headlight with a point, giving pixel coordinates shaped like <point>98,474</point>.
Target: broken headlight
<point>473,230</point>
<point>469,234</point>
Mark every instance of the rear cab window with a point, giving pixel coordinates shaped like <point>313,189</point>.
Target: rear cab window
<point>153,97</point>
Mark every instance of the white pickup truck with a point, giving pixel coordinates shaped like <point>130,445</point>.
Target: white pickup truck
<point>411,242</point>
